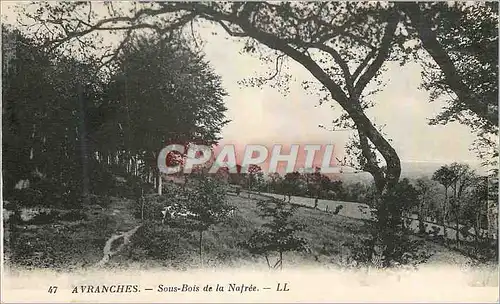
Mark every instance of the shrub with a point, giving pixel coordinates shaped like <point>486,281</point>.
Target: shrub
<point>389,244</point>
<point>158,242</point>
<point>102,225</point>
<point>73,215</point>
<point>44,217</point>
<point>26,197</point>
<point>279,235</point>
<point>151,207</point>
<point>47,248</point>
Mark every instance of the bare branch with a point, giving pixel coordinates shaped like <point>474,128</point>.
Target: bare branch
<point>103,25</point>
<point>441,57</point>
<point>342,64</point>
<point>226,28</point>
<point>115,54</point>
<point>383,51</point>
<point>279,63</point>
<point>363,65</point>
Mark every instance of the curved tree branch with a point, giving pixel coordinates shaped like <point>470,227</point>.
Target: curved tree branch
<point>371,164</point>
<point>440,56</point>
<point>383,51</point>
<point>243,16</point>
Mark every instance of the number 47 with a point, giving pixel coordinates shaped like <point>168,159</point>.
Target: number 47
<point>52,289</point>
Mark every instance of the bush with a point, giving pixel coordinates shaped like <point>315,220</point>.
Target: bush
<point>279,234</point>
<point>26,197</point>
<point>48,193</point>
<point>151,207</point>
<point>159,242</point>
<point>44,217</point>
<point>367,252</point>
<point>102,225</point>
<point>135,187</point>
<point>47,248</point>
<point>389,244</point>
<point>102,201</point>
<point>73,215</point>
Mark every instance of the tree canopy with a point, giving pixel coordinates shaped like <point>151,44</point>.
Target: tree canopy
<point>72,126</point>
<point>343,45</point>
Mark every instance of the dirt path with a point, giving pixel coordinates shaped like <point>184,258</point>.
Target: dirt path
<point>108,252</point>
<point>121,210</point>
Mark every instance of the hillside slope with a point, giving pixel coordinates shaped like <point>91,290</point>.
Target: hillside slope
<point>73,244</point>
<point>326,233</point>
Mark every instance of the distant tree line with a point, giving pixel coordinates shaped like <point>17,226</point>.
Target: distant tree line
<point>455,195</point>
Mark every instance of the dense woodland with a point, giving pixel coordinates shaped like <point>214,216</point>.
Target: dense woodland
<point>72,128</point>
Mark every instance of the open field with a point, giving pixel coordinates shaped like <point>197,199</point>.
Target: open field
<point>79,244</point>
<point>363,211</point>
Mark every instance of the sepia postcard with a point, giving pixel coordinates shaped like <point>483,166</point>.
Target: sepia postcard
<point>249,152</point>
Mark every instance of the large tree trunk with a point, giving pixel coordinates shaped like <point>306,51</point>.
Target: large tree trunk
<point>349,103</point>
<point>383,180</point>
<point>83,144</point>
<point>444,215</point>
<point>421,225</point>
<point>477,231</point>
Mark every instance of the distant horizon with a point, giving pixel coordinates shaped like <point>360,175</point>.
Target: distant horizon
<point>407,165</point>
<point>409,169</point>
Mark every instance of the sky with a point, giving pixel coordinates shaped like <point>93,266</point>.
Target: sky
<point>266,116</point>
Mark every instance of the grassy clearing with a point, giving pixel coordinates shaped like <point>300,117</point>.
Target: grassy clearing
<point>65,244</point>
<point>349,209</point>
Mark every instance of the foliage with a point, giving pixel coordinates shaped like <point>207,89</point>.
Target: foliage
<point>254,176</point>
<point>72,216</point>
<point>389,244</point>
<point>42,121</point>
<point>71,130</point>
<point>367,253</point>
<point>428,200</point>
<point>183,99</point>
<point>468,34</point>
<point>290,184</point>
<point>343,46</point>
<point>157,242</point>
<point>150,207</point>
<point>206,206</point>
<point>60,247</point>
<point>207,202</point>
<point>279,234</point>
<point>274,182</point>
<point>44,217</point>
<point>462,40</point>
<point>457,178</point>
<point>317,184</point>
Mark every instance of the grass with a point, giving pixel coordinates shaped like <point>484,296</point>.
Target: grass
<point>73,244</point>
